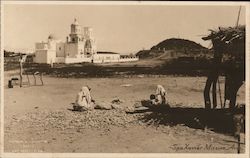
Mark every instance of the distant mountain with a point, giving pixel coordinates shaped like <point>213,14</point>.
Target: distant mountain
<point>143,53</point>
<point>176,45</point>
<point>13,54</point>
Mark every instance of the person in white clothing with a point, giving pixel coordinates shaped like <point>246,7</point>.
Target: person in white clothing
<point>84,100</point>
<point>159,97</point>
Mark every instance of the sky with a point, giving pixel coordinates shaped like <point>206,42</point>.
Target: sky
<point>119,28</point>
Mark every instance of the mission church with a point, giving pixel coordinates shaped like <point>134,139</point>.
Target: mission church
<point>80,46</point>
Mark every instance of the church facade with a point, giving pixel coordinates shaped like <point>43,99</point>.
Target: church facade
<point>80,46</point>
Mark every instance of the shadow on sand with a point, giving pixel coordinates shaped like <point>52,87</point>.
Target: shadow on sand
<point>218,120</point>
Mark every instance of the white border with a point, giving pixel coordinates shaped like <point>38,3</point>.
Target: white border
<point>247,97</point>
<point>2,85</point>
<point>104,155</point>
<point>169,3</point>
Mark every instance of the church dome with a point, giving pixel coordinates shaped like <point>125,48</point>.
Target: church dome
<point>75,22</point>
<point>52,37</point>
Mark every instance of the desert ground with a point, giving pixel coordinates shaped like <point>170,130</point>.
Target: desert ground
<point>39,118</point>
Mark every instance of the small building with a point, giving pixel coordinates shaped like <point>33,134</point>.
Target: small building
<point>104,57</point>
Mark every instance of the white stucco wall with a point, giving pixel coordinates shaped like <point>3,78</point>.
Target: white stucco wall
<point>76,60</point>
<point>60,60</point>
<point>109,58</point>
<point>60,49</point>
<point>51,56</point>
<point>40,56</point>
<point>71,50</point>
<point>106,57</point>
<point>52,45</point>
<point>41,45</point>
<point>128,59</point>
<point>80,47</point>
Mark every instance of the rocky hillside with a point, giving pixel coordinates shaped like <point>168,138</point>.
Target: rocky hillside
<point>181,47</point>
<point>178,44</point>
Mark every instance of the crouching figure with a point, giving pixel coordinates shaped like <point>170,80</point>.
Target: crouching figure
<point>84,100</point>
<point>160,96</point>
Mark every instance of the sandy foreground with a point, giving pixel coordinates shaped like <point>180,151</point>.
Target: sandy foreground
<point>39,119</point>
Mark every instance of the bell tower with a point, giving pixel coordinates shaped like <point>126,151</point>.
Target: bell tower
<point>75,32</point>
<point>90,47</point>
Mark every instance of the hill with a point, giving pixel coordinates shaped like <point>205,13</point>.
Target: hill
<point>174,47</point>
<point>178,44</point>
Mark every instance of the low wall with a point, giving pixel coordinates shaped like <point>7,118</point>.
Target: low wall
<point>77,60</point>
<point>69,60</point>
<point>128,59</point>
<point>106,61</point>
<point>60,60</point>
<point>116,60</point>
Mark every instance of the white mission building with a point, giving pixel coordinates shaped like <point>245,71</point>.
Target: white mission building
<point>80,46</point>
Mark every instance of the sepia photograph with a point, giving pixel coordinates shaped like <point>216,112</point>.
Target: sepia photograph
<point>124,78</point>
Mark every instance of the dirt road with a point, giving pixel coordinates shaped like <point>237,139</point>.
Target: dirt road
<point>39,119</point>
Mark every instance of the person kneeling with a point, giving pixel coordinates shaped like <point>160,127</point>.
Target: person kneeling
<point>156,99</point>
<point>160,96</point>
<point>84,100</point>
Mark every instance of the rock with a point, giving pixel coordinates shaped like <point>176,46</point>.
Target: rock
<point>137,104</point>
<point>63,120</point>
<point>126,85</point>
<point>116,101</point>
<point>117,107</point>
<point>103,106</point>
